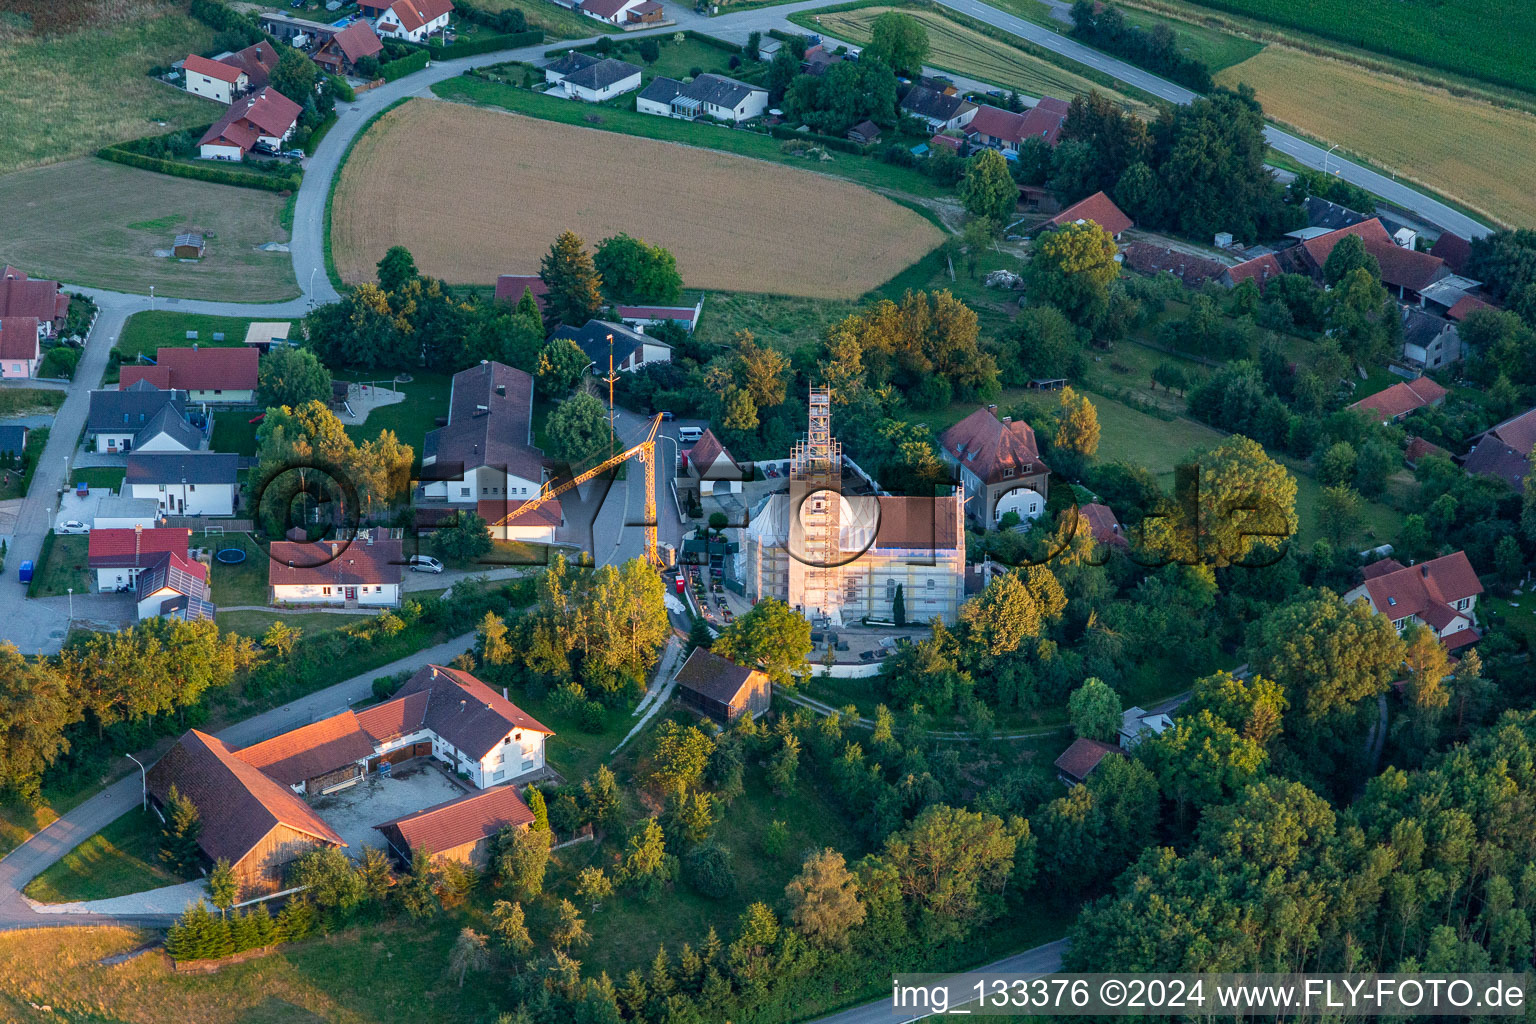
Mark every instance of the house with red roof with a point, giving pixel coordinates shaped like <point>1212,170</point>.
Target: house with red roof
<point>1400,399</point>
<point>117,556</point>
<point>1082,758</point>
<point>214,79</point>
<point>1440,594</point>
<point>1006,130</point>
<point>1104,526</point>
<point>216,376</point>
<point>1406,271</point>
<point>1419,449</point>
<point>262,121</point>
<point>1260,270</point>
<point>712,468</point>
<point>1466,306</point>
<point>1454,250</point>
<point>411,20</point>
<point>1099,209</point>
<point>363,572</point>
<point>23,296</point>
<point>1504,450</point>
<point>340,53</point>
<point>175,587</point>
<point>530,521</point>
<point>686,317</point>
<point>510,289</point>
<point>1000,466</point>
<point>20,351</point>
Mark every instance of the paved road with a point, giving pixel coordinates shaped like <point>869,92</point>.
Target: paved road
<point>28,860</point>
<point>1040,960</point>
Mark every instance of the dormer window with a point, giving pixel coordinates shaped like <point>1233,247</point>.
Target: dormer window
<point>1007,471</point>
<point>1392,602</point>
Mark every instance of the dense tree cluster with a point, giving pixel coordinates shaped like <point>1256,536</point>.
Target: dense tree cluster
<point>1104,27</point>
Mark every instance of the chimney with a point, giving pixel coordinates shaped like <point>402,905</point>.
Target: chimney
<point>504,694</point>
<point>1424,571</point>
<point>335,549</point>
<point>463,705</point>
<point>138,536</point>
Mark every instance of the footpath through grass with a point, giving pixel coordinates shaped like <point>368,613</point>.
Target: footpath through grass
<point>119,860</point>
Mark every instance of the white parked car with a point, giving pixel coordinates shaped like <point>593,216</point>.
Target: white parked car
<point>73,526</point>
<point>425,563</point>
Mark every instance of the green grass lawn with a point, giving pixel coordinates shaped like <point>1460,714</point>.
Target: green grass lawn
<point>245,583</point>
<point>29,401</point>
<point>119,860</point>
<point>161,328</point>
<point>63,566</point>
<point>426,398</point>
<point>15,480</point>
<point>108,478</point>
<point>1210,46</point>
<point>557,22</point>
<point>234,432</point>
<point>678,59</point>
<point>860,169</point>
<point>256,624</point>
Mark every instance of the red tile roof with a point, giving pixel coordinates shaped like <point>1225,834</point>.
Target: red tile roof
<point>159,376</point>
<point>1466,306</point>
<point>1453,249</point>
<point>461,821</point>
<point>945,140</point>
<point>510,288</point>
<point>706,450</point>
<point>414,14</point>
<point>133,549</point>
<point>356,41</point>
<point>267,112</point>
<point>1400,267</point>
<point>258,61</point>
<point>918,523</point>
<point>1418,448</point>
<point>996,123</point>
<point>1192,271</point>
<point>336,562</point>
<point>24,296</point>
<point>1519,432</point>
<point>211,369</point>
<point>213,69</point>
<point>1402,398</point>
<point>310,750</point>
<point>1427,590</point>
<point>18,337</point>
<point>393,718</point>
<point>1259,269</point>
<point>1080,759</point>
<point>713,676</point>
<point>1105,527</point>
<point>994,450</point>
<point>657,313</point>
<point>1098,208</point>
<point>239,805</point>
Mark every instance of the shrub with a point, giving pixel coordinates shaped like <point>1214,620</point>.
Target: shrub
<point>593,717</point>
<point>273,182</point>
<point>708,869</point>
<point>397,69</point>
<point>568,699</point>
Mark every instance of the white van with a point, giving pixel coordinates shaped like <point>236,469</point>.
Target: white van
<point>690,434</point>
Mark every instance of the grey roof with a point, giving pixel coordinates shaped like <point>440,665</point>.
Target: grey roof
<point>132,408</point>
<point>464,711</point>
<point>930,103</point>
<point>169,421</point>
<point>719,90</point>
<point>572,62</point>
<point>490,422</point>
<point>1421,328</point>
<point>1323,214</point>
<point>593,340</point>
<point>13,437</point>
<point>662,90</point>
<point>182,467</point>
<point>712,676</point>
<point>117,507</point>
<point>602,74</point>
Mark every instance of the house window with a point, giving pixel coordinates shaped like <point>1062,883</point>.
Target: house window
<point>932,583</point>
<point>464,492</point>
<point>485,490</point>
<point>192,487</point>
<point>218,391</point>
<point>325,591</point>
<point>1008,471</point>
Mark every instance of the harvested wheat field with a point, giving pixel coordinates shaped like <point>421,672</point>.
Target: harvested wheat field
<point>1482,155</point>
<point>475,193</point>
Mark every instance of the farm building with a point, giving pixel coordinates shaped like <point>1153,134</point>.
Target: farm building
<point>631,348</point>
<point>262,121</point>
<point>361,573</point>
<point>22,296</point>
<point>255,823</point>
<point>1098,209</point>
<point>184,483</point>
<point>485,452</point>
<point>460,829</point>
<point>686,317</point>
<point>1429,341</point>
<point>1000,466</point>
<point>340,53</point>
<point>722,689</point>
<point>1504,450</point>
<point>716,96</point>
<point>601,81</point>
<point>1006,131</point>
<point>216,376</point>
<point>213,79</point>
<point>20,351</point>
<point>188,246</point>
<point>116,417</point>
<point>411,20</point>
<point>299,32</point>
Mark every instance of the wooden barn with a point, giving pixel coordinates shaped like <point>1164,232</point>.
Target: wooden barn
<point>189,247</point>
<point>722,689</point>
<point>460,829</point>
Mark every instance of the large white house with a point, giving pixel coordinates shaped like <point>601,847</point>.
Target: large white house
<point>411,20</point>
<point>604,80</point>
<point>116,417</point>
<point>261,121</point>
<point>631,347</point>
<point>184,483</point>
<point>213,79</point>
<point>117,556</point>
<point>364,572</point>
<point>716,96</point>
<point>1440,593</point>
<point>486,451</point>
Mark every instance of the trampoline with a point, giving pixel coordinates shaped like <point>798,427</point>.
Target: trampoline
<point>231,556</point>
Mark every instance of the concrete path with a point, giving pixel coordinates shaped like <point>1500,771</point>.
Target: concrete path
<point>660,691</point>
<point>1044,959</point>
<point>169,901</point>
<point>31,858</point>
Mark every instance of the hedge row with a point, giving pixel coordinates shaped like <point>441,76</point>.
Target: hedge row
<point>487,44</point>
<point>212,172</point>
<point>404,66</point>
<point>780,131</point>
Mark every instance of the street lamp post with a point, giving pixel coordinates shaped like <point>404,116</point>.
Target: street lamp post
<point>312,286</point>
<point>71,591</point>
<point>143,784</point>
<point>151,297</point>
<point>1327,155</point>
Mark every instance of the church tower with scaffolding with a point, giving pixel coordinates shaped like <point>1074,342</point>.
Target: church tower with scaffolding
<point>815,504</point>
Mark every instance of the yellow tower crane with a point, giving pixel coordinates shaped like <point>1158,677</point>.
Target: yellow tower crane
<point>645,451</point>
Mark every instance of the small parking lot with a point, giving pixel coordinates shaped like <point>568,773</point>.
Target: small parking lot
<point>413,786</point>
